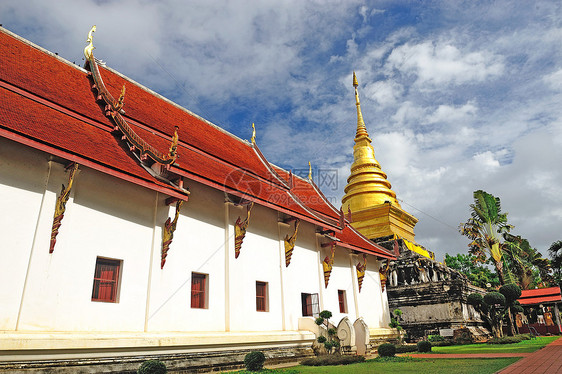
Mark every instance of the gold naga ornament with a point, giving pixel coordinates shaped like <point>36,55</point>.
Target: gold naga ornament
<point>328,263</point>
<point>240,228</point>
<point>361,267</point>
<point>114,109</point>
<point>290,243</point>
<point>60,206</point>
<point>383,273</point>
<point>168,233</point>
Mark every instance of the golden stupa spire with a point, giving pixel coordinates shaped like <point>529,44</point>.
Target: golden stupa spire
<point>253,133</point>
<point>361,129</point>
<point>375,211</point>
<point>367,184</point>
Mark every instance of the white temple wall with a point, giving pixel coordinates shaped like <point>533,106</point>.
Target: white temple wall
<point>258,261</point>
<point>111,218</point>
<point>303,273</point>
<point>105,217</point>
<point>342,278</point>
<point>23,174</point>
<point>197,246</point>
<point>373,303</point>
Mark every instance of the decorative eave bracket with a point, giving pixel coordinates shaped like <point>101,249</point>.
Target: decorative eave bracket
<point>169,229</point>
<point>60,206</point>
<point>328,262</point>
<point>361,268</point>
<point>240,228</point>
<point>290,243</point>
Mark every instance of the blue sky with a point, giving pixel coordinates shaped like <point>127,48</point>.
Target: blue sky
<point>457,96</point>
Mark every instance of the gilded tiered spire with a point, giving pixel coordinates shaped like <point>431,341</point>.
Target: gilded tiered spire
<point>374,209</point>
<point>361,129</point>
<point>367,184</point>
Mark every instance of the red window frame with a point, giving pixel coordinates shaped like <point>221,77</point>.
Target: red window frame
<point>310,305</point>
<point>106,280</point>
<point>342,301</point>
<point>261,296</point>
<point>198,290</point>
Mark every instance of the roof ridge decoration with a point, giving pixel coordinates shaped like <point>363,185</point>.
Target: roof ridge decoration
<point>114,109</point>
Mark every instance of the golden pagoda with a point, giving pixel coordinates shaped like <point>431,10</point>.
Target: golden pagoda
<point>369,202</point>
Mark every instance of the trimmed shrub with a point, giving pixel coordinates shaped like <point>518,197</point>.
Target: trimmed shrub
<point>505,340</point>
<point>386,350</point>
<point>493,298</point>
<point>332,360</point>
<point>475,299</point>
<point>254,361</point>
<point>524,336</point>
<point>405,348</point>
<point>152,367</point>
<point>443,343</point>
<point>511,292</point>
<point>424,346</point>
<point>321,339</point>
<point>435,338</point>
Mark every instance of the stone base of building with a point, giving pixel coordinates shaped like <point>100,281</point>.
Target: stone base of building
<point>124,353</point>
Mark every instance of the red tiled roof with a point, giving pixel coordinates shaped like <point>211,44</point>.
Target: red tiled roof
<point>540,295</point>
<point>48,103</point>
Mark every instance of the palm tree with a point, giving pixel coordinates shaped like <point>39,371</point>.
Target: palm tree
<point>485,228</point>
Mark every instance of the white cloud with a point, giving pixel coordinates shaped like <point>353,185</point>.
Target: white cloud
<point>443,63</point>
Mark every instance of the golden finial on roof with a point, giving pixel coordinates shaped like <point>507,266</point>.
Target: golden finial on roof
<point>90,47</point>
<point>309,170</point>
<point>253,133</point>
<point>361,128</point>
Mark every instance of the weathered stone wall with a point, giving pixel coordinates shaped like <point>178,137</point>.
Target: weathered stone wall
<point>431,295</point>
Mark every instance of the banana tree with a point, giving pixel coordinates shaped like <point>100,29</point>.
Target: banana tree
<point>486,228</point>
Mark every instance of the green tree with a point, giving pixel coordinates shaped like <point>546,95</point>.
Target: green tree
<point>479,275</point>
<point>555,253</point>
<point>485,228</point>
<point>526,264</point>
<point>491,307</point>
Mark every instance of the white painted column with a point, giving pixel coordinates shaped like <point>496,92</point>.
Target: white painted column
<point>282,268</point>
<point>41,210</point>
<point>226,266</point>
<point>352,260</point>
<point>319,259</point>
<point>151,263</point>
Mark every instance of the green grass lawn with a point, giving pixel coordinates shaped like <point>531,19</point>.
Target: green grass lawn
<point>526,346</point>
<point>434,366</point>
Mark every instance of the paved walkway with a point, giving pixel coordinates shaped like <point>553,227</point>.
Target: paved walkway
<point>545,360</point>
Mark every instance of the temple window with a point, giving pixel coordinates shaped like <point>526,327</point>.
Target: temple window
<point>199,290</point>
<point>342,300</point>
<point>106,280</point>
<point>261,297</point>
<point>310,305</point>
